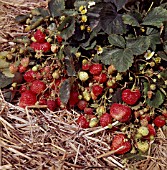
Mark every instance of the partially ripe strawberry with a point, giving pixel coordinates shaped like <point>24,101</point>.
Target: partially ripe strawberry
<point>159,121</point>
<point>96,69</point>
<point>152,132</point>
<point>25,61</point>
<point>120,112</point>
<point>120,141</point>
<point>27,98</point>
<point>37,86</point>
<point>39,36</point>
<point>73,98</point>
<point>101,78</point>
<point>29,76</point>
<point>82,122</point>
<point>131,97</point>
<point>13,68</point>
<point>97,90</point>
<point>82,104</point>
<point>105,119</point>
<point>88,111</point>
<point>51,104</point>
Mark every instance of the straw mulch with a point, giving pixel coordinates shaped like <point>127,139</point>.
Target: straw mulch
<point>38,139</point>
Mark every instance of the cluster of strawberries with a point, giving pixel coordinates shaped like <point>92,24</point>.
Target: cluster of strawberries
<point>89,94</point>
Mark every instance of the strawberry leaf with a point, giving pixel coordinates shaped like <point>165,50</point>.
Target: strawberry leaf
<point>65,91</point>
<point>5,81</point>
<point>130,20</point>
<point>116,40</point>
<point>56,7</point>
<point>138,46</point>
<point>156,100</point>
<point>162,55</point>
<point>155,17</point>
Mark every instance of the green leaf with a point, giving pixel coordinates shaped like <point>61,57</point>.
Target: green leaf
<point>156,100</point>
<point>79,3</point>
<point>116,40</point>
<point>56,7</point>
<point>138,46</point>
<point>3,64</point>
<point>162,55</point>
<point>69,30</point>
<point>65,91</point>
<point>3,55</point>
<point>155,17</point>
<point>118,3</point>
<point>21,18</point>
<point>4,81</point>
<point>154,37</point>
<point>106,56</point>
<point>7,73</point>
<point>122,59</point>
<point>40,11</point>
<point>164,74</point>
<point>130,20</point>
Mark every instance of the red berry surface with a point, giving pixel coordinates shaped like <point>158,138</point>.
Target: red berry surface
<point>22,69</point>
<point>39,36</point>
<point>159,121</point>
<point>96,69</point>
<point>97,90</point>
<point>120,112</point>
<point>152,132</point>
<point>82,122</point>
<point>27,98</point>
<point>105,119</point>
<point>45,47</point>
<point>88,111</point>
<point>37,86</point>
<point>59,39</point>
<point>51,104</point>
<point>101,78</point>
<point>86,66</point>
<point>73,98</point>
<point>82,104</point>
<point>23,88</point>
<point>120,141</point>
<point>29,76</point>
<point>131,97</point>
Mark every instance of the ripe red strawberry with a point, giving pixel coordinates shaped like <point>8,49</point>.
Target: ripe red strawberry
<point>159,121</point>
<point>82,122</point>
<point>51,104</point>
<point>96,69</point>
<point>120,112</point>
<point>101,78</point>
<point>105,119</point>
<point>45,47</point>
<point>73,98</point>
<point>23,88</point>
<point>39,36</point>
<point>82,104</point>
<point>85,66</point>
<point>22,69</point>
<point>59,39</point>
<point>27,98</point>
<point>120,141</point>
<point>37,86</point>
<point>42,101</point>
<point>88,111</point>
<point>131,97</point>
<point>97,90</point>
<point>29,76</point>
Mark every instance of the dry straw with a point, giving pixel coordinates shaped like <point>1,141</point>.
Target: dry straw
<point>38,139</point>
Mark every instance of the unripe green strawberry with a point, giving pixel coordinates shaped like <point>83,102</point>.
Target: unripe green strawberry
<point>56,74</point>
<point>93,122</point>
<point>86,95</point>
<point>143,131</point>
<point>143,146</point>
<point>83,76</point>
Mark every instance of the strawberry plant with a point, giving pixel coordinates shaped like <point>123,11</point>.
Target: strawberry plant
<point>106,60</point>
